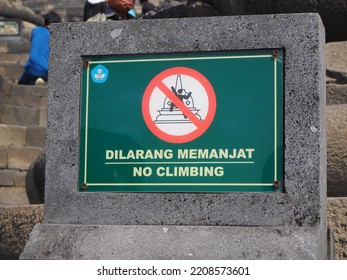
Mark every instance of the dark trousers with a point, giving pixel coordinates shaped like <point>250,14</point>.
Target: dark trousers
<point>28,79</point>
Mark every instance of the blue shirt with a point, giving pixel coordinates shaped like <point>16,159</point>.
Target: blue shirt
<point>37,64</point>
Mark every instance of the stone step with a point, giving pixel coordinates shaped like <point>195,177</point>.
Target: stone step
<point>36,136</point>
<point>12,178</point>
<point>15,135</point>
<point>20,90</point>
<point>18,115</point>
<point>12,135</point>
<point>13,196</point>
<point>67,4</point>
<point>26,96</point>
<point>3,157</point>
<point>24,101</point>
<point>68,10</point>
<point>336,94</point>
<point>21,46</point>
<point>21,157</point>
<point>13,59</point>
<point>23,105</point>
<point>11,72</point>
<point>43,117</point>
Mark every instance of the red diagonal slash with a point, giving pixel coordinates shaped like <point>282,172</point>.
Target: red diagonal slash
<point>179,104</point>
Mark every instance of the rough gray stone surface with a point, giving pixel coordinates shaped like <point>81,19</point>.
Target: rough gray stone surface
<point>170,243</point>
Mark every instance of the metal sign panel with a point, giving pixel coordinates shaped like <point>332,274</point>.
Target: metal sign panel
<point>189,122</point>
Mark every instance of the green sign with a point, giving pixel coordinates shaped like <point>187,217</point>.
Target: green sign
<point>189,122</point>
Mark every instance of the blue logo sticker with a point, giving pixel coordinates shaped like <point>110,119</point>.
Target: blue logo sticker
<point>99,74</point>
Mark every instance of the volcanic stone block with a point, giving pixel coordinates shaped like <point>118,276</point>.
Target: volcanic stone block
<point>337,220</point>
<point>36,136</point>
<point>13,196</point>
<point>336,56</point>
<point>16,223</point>
<point>43,117</point>
<point>336,94</point>
<point>12,135</point>
<point>9,59</point>
<point>3,157</point>
<point>22,157</point>
<point>23,101</point>
<point>20,115</point>
<point>337,150</point>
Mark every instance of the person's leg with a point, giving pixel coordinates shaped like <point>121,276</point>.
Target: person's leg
<point>45,78</point>
<point>27,79</point>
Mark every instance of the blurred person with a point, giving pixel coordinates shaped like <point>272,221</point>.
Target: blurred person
<point>36,68</point>
<point>93,7</point>
<point>146,6</point>
<point>119,10</point>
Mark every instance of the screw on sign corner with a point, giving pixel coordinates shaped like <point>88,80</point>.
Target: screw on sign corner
<point>276,184</point>
<point>86,63</point>
<point>275,53</point>
<point>84,187</point>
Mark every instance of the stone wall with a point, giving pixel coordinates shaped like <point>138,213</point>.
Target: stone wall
<point>336,64</point>
<point>16,223</point>
<point>68,10</point>
<point>337,220</point>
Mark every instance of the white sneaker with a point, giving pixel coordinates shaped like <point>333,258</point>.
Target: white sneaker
<point>40,82</point>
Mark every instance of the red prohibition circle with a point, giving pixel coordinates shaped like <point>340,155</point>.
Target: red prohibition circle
<point>157,81</point>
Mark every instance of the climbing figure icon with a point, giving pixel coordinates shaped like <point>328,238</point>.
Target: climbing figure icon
<point>170,112</point>
<point>179,94</point>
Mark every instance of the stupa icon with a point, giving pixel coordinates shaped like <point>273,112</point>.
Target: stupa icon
<point>169,113</point>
